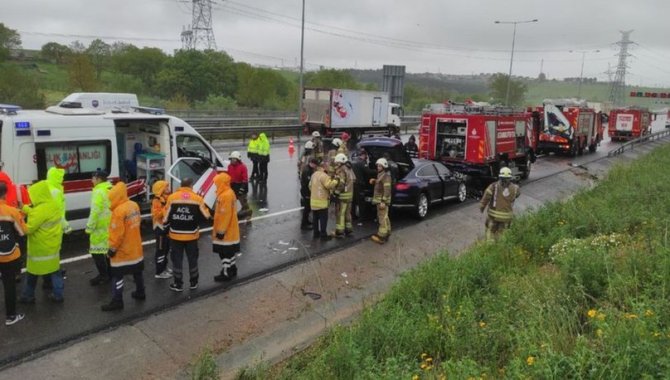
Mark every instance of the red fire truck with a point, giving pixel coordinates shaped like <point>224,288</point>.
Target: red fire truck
<point>629,123</point>
<point>477,139</point>
<point>567,127</point>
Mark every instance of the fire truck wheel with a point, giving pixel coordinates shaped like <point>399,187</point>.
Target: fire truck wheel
<point>525,173</point>
<point>462,192</point>
<point>421,208</point>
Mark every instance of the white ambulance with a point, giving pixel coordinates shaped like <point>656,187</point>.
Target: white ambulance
<point>90,131</point>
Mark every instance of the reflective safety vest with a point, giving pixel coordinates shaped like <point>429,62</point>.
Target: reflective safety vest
<point>382,190</point>
<point>11,228</point>
<point>44,230</point>
<point>320,186</point>
<point>500,201</point>
<point>98,221</point>
<point>184,211</point>
<point>124,230</point>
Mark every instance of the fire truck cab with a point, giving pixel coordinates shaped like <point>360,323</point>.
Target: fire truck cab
<point>477,139</point>
<point>566,126</point>
<point>629,123</point>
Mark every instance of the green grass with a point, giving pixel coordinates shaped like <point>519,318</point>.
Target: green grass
<point>575,290</point>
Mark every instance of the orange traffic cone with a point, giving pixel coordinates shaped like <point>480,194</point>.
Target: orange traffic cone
<point>291,148</point>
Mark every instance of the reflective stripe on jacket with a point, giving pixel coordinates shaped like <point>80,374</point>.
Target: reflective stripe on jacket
<point>11,228</point>
<point>500,201</point>
<point>158,204</point>
<point>382,190</point>
<point>252,148</point>
<point>44,230</point>
<point>347,178</point>
<point>124,230</point>
<point>99,218</point>
<point>263,145</point>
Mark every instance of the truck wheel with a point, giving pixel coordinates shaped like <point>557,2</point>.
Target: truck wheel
<point>421,207</point>
<point>462,192</point>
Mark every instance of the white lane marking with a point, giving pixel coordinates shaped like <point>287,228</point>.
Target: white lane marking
<point>206,229</point>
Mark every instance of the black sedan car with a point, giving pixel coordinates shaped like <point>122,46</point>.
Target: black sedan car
<point>417,183</point>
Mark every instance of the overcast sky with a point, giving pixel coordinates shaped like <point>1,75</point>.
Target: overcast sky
<point>446,36</point>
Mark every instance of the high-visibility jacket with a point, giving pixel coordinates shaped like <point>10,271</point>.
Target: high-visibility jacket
<point>382,189</point>
<point>345,188</point>
<point>252,148</point>
<point>500,201</point>
<point>263,146</point>
<point>44,230</point>
<point>125,238</point>
<point>10,197</point>
<point>158,203</point>
<point>184,211</point>
<point>225,213</point>
<point>55,178</point>
<point>11,228</point>
<point>99,218</point>
<point>320,186</point>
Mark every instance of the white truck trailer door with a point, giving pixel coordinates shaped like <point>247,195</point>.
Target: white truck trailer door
<point>376,111</point>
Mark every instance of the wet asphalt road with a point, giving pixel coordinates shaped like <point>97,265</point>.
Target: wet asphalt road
<point>273,240</point>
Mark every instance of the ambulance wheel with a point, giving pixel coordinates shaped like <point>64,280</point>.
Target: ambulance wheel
<point>421,207</point>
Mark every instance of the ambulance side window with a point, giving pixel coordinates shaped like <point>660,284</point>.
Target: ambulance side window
<point>192,146</point>
<point>80,159</point>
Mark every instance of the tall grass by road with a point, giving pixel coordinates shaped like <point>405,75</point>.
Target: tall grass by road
<point>575,290</point>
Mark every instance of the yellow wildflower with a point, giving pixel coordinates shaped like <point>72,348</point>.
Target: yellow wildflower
<point>424,355</point>
<point>415,377</point>
<point>600,316</point>
<point>648,313</point>
<point>443,377</point>
<point>482,324</point>
<point>429,360</point>
<point>530,360</point>
<point>599,333</point>
<point>630,316</point>
<point>423,365</point>
<point>592,313</point>
<point>656,334</point>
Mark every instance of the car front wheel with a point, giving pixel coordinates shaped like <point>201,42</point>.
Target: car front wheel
<point>462,192</point>
<point>421,209</point>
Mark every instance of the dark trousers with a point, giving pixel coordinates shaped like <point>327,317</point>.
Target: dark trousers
<point>254,169</point>
<point>177,253</point>
<point>263,168</point>
<point>307,209</point>
<point>31,282</point>
<point>162,249</point>
<point>320,222</point>
<point>101,261</point>
<point>9,271</point>
<point>117,285</point>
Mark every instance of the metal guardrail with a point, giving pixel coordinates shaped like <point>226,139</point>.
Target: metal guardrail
<point>630,145</point>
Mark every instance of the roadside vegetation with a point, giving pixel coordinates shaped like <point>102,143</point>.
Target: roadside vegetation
<point>574,290</point>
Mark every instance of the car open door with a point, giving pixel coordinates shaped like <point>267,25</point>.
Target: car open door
<point>202,174</point>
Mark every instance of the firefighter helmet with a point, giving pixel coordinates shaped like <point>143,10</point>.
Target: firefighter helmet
<point>341,158</point>
<point>235,155</point>
<point>309,145</point>
<point>505,172</point>
<point>382,161</point>
<point>336,142</point>
<point>316,134</point>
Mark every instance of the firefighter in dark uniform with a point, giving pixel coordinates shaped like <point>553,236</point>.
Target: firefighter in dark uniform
<point>382,199</point>
<point>499,197</point>
<point>184,211</point>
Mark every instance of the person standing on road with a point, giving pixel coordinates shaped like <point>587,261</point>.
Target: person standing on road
<point>45,236</point>
<point>382,198</point>
<point>125,246</point>
<point>226,228</point>
<point>363,173</point>
<point>97,227</point>
<point>12,228</point>
<point>306,155</point>
<point>252,154</point>
<point>239,178</point>
<point>411,148</point>
<point>499,197</point>
<point>263,156</point>
<point>321,185</point>
<point>344,191</point>
<point>10,197</point>
<point>318,145</point>
<point>305,177</point>
<point>161,191</point>
<point>184,211</point>
<point>55,177</point>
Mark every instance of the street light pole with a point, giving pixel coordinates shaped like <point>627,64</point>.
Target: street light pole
<point>302,60</point>
<point>581,72</point>
<point>511,59</point>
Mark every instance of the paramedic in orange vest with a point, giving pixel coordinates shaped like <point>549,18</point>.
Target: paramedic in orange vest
<point>184,211</point>
<point>226,229</point>
<point>12,228</point>
<point>125,246</point>
<point>160,190</point>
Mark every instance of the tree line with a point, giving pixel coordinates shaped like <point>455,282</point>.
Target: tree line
<point>187,79</point>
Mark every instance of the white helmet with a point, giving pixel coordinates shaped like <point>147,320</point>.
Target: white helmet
<point>316,134</point>
<point>336,142</point>
<point>309,145</point>
<point>341,158</point>
<point>236,155</point>
<point>505,172</point>
<point>382,161</point>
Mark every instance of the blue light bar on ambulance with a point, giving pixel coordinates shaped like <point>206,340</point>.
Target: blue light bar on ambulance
<point>22,125</point>
<point>9,109</point>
